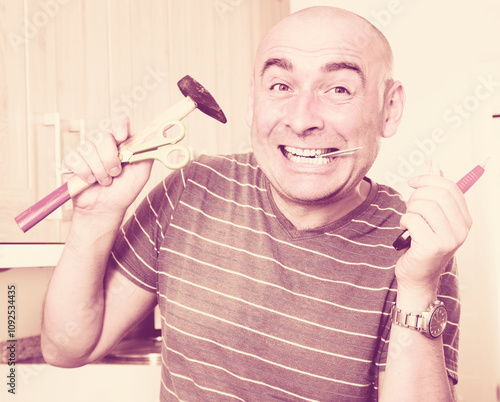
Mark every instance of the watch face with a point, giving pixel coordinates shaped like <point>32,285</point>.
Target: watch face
<point>438,322</point>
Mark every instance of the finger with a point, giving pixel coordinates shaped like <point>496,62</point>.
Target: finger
<point>452,205</point>
<point>442,215</point>
<point>107,149</point>
<point>91,155</point>
<point>78,166</point>
<point>437,220</point>
<point>432,180</point>
<point>418,228</point>
<point>120,126</point>
<point>433,229</point>
<point>439,184</point>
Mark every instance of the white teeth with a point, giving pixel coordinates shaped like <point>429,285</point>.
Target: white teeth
<point>299,155</point>
<point>310,161</point>
<point>306,152</point>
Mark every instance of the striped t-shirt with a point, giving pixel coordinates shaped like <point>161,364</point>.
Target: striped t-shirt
<point>253,309</point>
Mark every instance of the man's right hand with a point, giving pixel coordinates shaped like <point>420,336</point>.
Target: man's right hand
<point>96,160</point>
<point>99,305</point>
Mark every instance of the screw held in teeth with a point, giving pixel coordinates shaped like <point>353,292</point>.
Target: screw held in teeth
<point>340,152</point>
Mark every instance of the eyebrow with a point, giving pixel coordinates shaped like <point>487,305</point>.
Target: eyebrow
<point>329,67</point>
<point>285,64</point>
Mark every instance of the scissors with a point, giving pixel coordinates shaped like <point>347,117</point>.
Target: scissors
<point>160,147</point>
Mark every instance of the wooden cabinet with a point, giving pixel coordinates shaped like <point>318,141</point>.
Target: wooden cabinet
<point>67,66</point>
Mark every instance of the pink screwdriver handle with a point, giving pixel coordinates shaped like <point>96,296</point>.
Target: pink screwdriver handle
<point>470,178</point>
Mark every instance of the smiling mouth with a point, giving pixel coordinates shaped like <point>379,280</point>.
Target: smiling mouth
<point>311,156</point>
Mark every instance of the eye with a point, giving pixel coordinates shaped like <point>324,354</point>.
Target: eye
<point>339,90</point>
<point>280,87</point>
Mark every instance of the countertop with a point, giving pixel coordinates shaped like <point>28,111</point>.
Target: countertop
<point>28,351</point>
<point>22,255</point>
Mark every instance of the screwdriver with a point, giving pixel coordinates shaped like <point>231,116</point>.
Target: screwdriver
<point>466,182</point>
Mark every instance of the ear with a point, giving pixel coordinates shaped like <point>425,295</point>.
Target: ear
<point>393,109</point>
<point>249,117</point>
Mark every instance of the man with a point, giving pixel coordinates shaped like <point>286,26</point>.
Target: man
<point>274,271</point>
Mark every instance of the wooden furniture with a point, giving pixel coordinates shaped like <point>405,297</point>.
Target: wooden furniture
<point>67,66</point>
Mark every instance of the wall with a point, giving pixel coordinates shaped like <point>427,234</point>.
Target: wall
<point>438,49</point>
<point>447,56</point>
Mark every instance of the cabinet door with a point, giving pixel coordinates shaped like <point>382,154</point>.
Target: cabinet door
<point>19,157</point>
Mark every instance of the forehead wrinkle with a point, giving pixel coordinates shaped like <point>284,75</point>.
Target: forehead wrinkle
<point>335,66</point>
<point>349,57</point>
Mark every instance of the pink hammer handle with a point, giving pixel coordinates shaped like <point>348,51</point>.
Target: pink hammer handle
<point>41,209</point>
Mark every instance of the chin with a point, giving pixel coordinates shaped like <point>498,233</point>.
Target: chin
<point>309,195</point>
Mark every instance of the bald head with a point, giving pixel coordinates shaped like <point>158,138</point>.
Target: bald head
<point>318,28</point>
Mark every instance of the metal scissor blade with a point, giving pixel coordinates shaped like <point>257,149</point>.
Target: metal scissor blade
<point>173,156</point>
<point>158,140</point>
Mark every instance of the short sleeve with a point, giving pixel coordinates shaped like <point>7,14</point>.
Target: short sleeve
<point>135,252</point>
<point>449,295</point>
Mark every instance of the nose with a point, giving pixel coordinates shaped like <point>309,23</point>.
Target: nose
<point>303,114</point>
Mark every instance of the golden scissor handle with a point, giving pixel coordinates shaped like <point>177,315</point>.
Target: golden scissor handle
<point>161,147</point>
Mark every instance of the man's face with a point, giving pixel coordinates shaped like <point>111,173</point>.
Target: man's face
<point>315,92</point>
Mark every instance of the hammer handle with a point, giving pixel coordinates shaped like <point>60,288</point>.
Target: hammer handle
<point>41,209</point>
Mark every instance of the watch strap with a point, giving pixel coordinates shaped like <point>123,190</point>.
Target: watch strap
<point>406,319</point>
<point>419,322</point>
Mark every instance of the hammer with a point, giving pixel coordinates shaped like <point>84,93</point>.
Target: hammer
<point>195,96</point>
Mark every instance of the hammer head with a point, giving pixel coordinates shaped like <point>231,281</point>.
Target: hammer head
<point>199,95</point>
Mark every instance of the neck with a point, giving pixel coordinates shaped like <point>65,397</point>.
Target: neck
<point>312,216</point>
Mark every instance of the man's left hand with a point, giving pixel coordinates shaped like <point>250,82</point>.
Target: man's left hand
<point>438,221</point>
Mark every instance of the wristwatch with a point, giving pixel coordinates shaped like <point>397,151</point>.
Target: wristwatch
<point>431,322</point>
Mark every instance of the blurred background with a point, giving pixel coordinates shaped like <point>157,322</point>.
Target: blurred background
<point>66,66</point>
